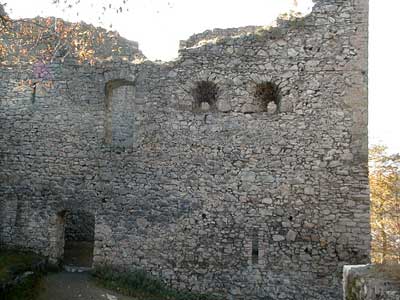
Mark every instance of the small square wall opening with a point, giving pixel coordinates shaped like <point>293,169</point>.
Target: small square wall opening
<point>205,95</point>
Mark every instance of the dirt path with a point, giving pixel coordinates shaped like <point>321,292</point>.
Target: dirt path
<point>75,286</point>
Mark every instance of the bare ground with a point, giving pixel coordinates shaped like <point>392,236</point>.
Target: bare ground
<point>75,286</point>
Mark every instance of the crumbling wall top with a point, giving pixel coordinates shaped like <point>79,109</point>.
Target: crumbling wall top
<point>208,35</point>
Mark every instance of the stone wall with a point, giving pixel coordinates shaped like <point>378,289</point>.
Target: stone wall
<point>371,282</point>
<point>231,197</point>
<point>216,34</point>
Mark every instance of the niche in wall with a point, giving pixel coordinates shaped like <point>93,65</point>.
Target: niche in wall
<point>268,97</point>
<point>205,95</point>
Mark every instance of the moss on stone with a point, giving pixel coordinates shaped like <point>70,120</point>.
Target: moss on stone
<point>352,291</point>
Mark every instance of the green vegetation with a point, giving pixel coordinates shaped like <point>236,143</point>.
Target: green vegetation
<point>297,23</point>
<point>140,284</point>
<point>14,263</point>
<point>269,33</point>
<point>28,289</point>
<point>352,291</point>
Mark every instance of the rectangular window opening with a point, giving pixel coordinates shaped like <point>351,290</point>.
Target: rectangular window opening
<point>254,247</point>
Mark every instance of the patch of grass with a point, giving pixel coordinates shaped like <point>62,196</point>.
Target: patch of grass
<point>28,289</point>
<point>269,33</point>
<point>140,284</point>
<point>15,262</point>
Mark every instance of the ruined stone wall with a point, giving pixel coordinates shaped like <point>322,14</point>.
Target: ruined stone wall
<point>231,197</point>
<point>216,34</point>
<point>371,282</point>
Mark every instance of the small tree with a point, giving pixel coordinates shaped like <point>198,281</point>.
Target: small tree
<point>384,180</point>
<point>35,44</point>
<point>45,39</point>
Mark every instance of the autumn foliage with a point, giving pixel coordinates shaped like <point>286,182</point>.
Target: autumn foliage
<point>46,40</point>
<point>385,205</point>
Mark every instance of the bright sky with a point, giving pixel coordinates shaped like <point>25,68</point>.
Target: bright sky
<point>158,25</point>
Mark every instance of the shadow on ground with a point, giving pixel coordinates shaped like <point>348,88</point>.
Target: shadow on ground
<point>75,286</point>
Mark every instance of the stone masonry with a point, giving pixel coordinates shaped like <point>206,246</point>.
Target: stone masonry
<point>189,171</point>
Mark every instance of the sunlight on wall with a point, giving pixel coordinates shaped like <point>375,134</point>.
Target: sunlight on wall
<point>158,25</point>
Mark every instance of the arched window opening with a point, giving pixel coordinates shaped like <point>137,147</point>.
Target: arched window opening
<point>120,94</point>
<point>205,95</point>
<point>267,95</point>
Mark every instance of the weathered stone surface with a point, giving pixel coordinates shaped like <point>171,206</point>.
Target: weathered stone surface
<point>291,235</point>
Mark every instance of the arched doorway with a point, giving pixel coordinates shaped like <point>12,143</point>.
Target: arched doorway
<point>72,238</point>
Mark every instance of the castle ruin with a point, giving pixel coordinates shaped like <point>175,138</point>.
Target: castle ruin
<point>240,168</point>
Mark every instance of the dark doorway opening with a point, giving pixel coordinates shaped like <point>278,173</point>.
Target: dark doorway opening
<point>79,239</point>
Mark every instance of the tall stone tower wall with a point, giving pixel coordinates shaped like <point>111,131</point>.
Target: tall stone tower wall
<point>234,195</point>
